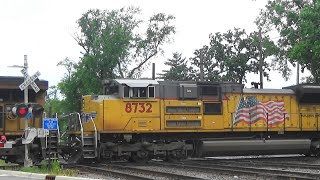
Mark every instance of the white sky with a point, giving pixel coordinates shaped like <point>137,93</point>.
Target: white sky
<point>43,30</point>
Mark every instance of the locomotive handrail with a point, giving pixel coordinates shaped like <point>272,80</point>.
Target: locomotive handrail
<point>58,129</point>
<point>81,127</point>
<point>95,136</point>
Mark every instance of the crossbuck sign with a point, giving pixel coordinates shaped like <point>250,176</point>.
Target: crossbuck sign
<point>29,81</point>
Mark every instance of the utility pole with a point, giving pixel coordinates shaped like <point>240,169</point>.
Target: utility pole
<point>260,60</point>
<point>28,80</point>
<point>201,65</point>
<point>298,73</point>
<point>27,161</point>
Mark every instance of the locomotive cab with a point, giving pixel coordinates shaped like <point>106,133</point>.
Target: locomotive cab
<point>129,88</point>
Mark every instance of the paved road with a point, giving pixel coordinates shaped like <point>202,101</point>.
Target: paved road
<point>10,177</point>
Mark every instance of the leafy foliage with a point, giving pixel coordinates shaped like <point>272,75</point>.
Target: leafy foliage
<point>211,67</point>
<point>179,70</point>
<point>158,33</point>
<point>237,54</point>
<point>268,50</point>
<point>53,103</point>
<point>112,48</point>
<point>298,25</point>
<point>111,43</point>
<point>233,54</point>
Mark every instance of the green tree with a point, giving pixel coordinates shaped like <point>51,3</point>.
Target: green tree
<point>179,70</point>
<point>233,54</point>
<point>113,46</point>
<point>307,50</point>
<point>53,103</point>
<point>237,53</point>
<point>70,86</point>
<point>268,50</point>
<point>297,23</point>
<point>211,67</point>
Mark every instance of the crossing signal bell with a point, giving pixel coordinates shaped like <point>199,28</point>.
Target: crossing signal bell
<point>22,110</point>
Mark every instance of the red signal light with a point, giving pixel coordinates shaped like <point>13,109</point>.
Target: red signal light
<point>23,111</point>
<point>27,110</point>
<point>20,110</point>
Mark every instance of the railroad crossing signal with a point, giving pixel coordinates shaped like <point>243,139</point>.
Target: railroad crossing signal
<point>27,110</point>
<point>20,110</point>
<point>29,81</point>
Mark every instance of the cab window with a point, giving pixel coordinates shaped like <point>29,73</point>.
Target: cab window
<point>139,92</point>
<point>151,92</point>
<point>126,91</point>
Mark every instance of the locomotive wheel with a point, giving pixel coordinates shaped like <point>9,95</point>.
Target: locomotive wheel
<point>307,154</point>
<point>176,155</point>
<point>139,157</point>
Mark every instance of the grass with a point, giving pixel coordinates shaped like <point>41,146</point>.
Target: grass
<point>8,165</point>
<point>3,163</point>
<point>54,169</point>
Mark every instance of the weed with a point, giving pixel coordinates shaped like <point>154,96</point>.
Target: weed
<point>54,169</point>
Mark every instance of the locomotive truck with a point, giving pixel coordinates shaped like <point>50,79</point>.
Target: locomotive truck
<point>142,119</point>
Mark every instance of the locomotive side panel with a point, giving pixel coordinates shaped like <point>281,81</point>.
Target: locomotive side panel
<point>92,106</point>
<point>214,115</point>
<point>131,115</point>
<point>182,115</point>
<point>309,117</point>
<point>265,111</point>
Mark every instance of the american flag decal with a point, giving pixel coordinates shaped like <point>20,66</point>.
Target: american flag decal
<point>250,110</point>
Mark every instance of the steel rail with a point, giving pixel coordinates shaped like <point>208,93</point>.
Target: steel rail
<point>275,164</point>
<point>236,170</point>
<point>113,173</point>
<point>151,172</point>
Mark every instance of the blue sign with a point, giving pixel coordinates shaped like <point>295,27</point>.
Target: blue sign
<point>50,123</point>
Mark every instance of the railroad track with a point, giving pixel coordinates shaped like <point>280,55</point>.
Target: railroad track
<point>240,170</point>
<point>130,172</point>
<point>274,164</point>
<point>109,173</point>
<point>258,158</point>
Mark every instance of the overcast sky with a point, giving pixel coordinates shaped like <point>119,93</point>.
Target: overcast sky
<point>43,30</point>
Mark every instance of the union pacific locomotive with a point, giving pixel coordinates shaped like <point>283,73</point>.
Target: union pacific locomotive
<point>143,119</point>
<point>13,137</point>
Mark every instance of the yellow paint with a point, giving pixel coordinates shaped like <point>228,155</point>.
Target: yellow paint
<point>16,126</point>
<point>130,115</point>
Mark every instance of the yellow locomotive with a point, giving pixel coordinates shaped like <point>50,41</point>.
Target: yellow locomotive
<point>11,126</point>
<point>139,119</point>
